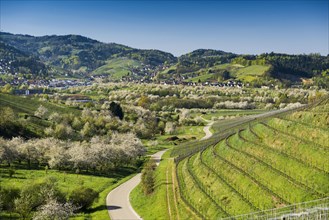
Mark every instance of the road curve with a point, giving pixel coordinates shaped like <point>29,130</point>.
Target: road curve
<point>206,130</point>
<point>117,201</point>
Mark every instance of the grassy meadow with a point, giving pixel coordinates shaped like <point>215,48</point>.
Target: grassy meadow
<point>66,183</point>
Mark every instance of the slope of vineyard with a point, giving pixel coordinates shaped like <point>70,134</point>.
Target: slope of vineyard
<point>269,163</point>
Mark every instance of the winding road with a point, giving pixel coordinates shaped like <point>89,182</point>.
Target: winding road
<point>117,201</point>
<point>206,129</point>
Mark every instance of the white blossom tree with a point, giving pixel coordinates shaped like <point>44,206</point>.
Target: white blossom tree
<point>41,112</point>
<point>29,152</point>
<point>54,210</point>
<point>8,150</point>
<point>55,117</point>
<point>170,128</point>
<point>78,153</point>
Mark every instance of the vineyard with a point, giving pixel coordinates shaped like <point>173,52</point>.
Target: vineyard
<point>274,166</point>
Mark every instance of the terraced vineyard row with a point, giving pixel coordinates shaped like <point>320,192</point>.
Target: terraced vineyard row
<point>261,164</point>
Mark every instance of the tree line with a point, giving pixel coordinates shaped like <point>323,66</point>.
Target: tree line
<point>101,154</point>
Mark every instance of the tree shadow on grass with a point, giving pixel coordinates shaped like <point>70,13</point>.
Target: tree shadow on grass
<point>162,183</point>
<point>96,209</point>
<point>13,177</point>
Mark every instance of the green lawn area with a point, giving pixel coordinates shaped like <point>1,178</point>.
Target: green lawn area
<point>66,182</point>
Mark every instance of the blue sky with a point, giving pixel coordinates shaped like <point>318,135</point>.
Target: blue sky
<point>253,27</point>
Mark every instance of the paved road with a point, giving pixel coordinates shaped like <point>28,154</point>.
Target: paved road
<point>206,130</point>
<point>117,201</point>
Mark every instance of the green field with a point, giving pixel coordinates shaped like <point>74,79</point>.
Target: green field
<point>28,105</point>
<point>67,182</point>
<point>117,68</point>
<point>25,107</point>
<point>250,73</point>
<point>228,113</point>
<point>271,164</point>
<point>239,72</point>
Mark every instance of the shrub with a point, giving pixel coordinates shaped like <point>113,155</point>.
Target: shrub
<point>148,179</point>
<point>83,197</point>
<point>11,172</point>
<point>54,210</point>
<point>7,197</point>
<point>34,195</point>
<point>116,110</point>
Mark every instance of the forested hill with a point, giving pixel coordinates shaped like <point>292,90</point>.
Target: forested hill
<point>18,61</point>
<point>289,67</point>
<point>79,56</point>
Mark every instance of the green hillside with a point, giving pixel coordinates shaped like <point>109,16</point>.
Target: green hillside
<point>75,53</point>
<point>118,67</point>
<point>250,73</point>
<point>227,71</point>
<point>269,163</point>
<point>17,61</point>
<point>77,56</point>
<point>26,123</point>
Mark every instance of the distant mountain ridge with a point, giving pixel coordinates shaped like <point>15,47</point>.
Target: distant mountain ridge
<point>79,56</point>
<point>78,53</point>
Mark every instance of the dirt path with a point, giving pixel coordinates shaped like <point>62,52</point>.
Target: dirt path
<point>117,201</point>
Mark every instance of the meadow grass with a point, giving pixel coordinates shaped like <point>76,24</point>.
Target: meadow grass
<point>233,112</point>
<point>217,189</point>
<point>25,107</point>
<point>117,68</point>
<point>67,182</point>
<point>247,74</point>
<point>27,104</point>
<point>201,78</point>
<point>251,73</point>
